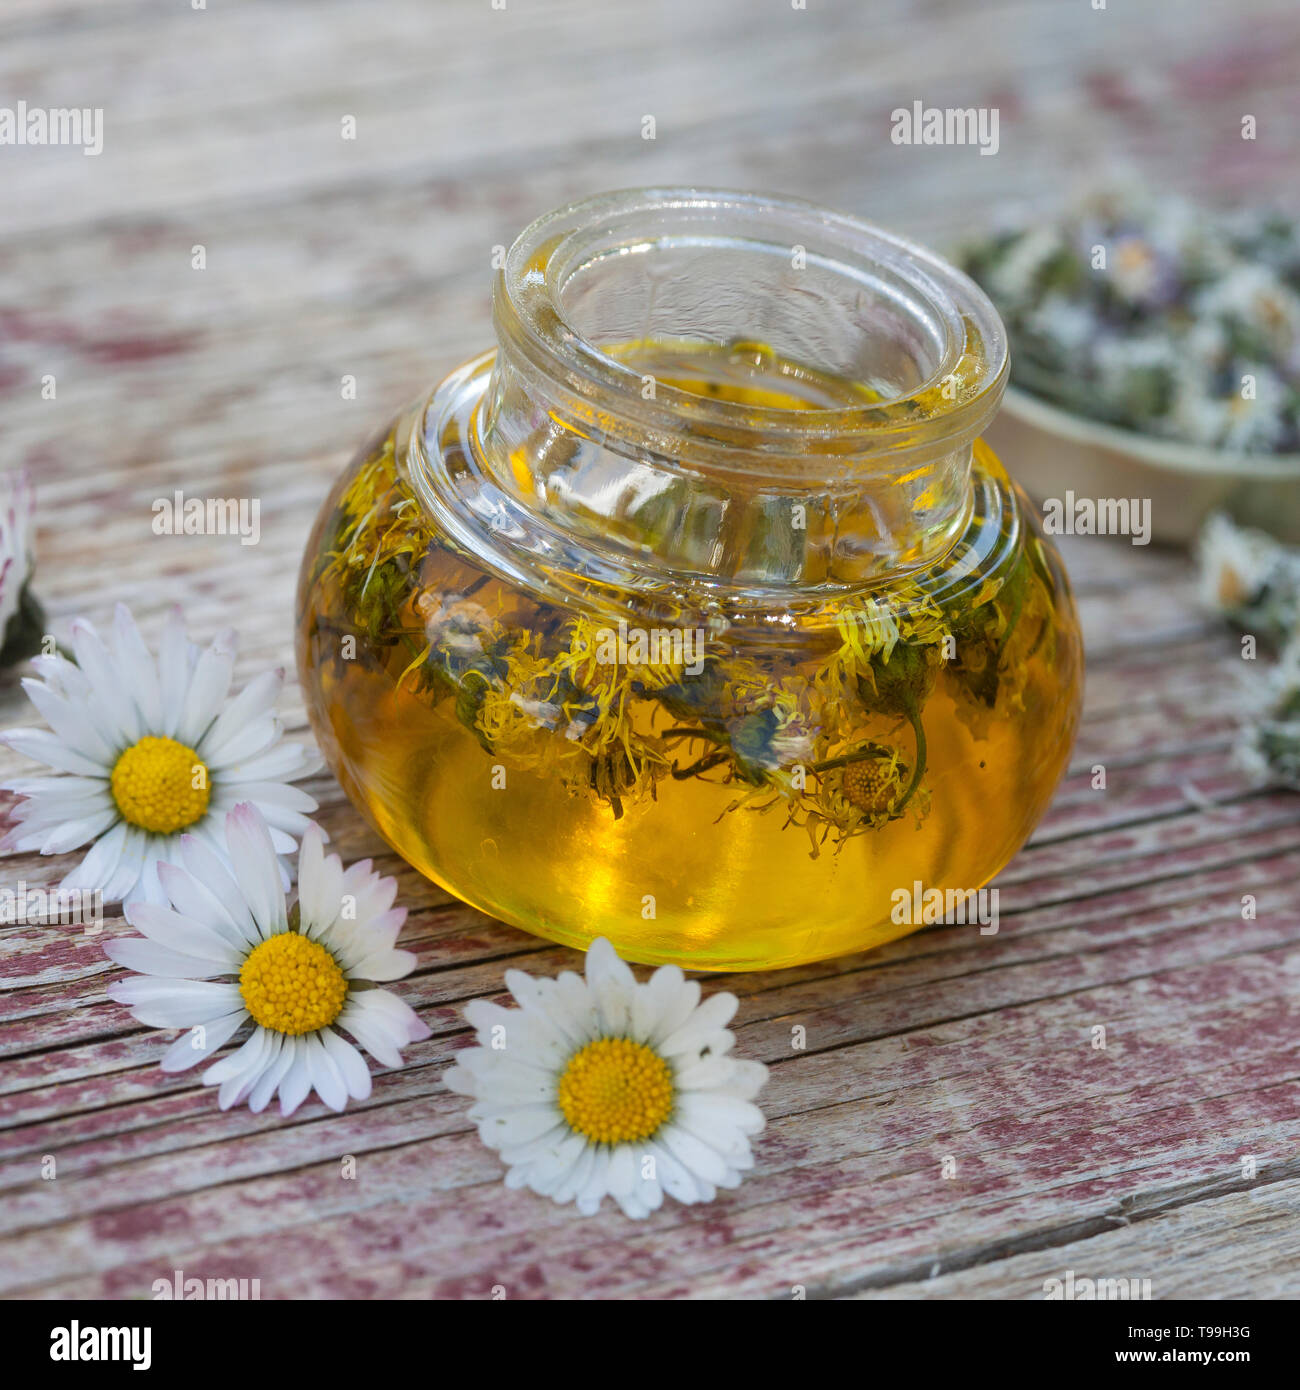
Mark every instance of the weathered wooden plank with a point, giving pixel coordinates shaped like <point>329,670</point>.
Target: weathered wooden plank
<point>823,1217</point>
<point>1245,1245</point>
<point>844,1010</point>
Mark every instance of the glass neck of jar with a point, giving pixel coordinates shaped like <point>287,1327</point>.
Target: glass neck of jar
<point>865,476</point>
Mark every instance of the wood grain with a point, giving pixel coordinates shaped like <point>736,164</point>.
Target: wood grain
<point>371,258</point>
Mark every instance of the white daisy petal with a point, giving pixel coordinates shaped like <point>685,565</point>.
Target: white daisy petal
<point>510,1085</point>
<point>54,835</point>
<point>208,688</point>
<point>68,723</point>
<point>382,1024</point>
<point>138,666</point>
<point>270,796</point>
<point>201,1041</point>
<point>195,901</point>
<point>49,788</point>
<point>612,985</point>
<point>747,1078</point>
<point>186,934</point>
<point>245,744</point>
<point>351,939</point>
<point>572,997</point>
<point>326,1078</point>
<point>176,659</point>
<point>697,1157</point>
<point>175,1003</point>
<point>285,760</point>
<point>384,965</point>
<point>148,958</point>
<point>237,1074</point>
<point>256,699</point>
<point>281,842</point>
<point>257,870</point>
<point>44,747</point>
<point>723,1122</point>
<point>285,826</point>
<point>623,1169</point>
<point>709,1074</point>
<point>678,1181</point>
<point>676,999</point>
<point>528,1040</point>
<point>547,1159</point>
<point>213,877</point>
<point>273,1074</point>
<point>296,1086</point>
<point>147,887</point>
<point>575,1178</point>
<point>537,998</point>
<point>647,1194</point>
<point>596,1187</point>
<point>60,674</point>
<point>653,1000</point>
<point>110,689</point>
<point>351,1064</point>
<point>71,834</point>
<point>712,1016</point>
<point>63,805</point>
<point>129,865</point>
<point>320,883</point>
<point>99,867</point>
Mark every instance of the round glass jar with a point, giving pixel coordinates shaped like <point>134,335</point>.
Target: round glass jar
<point>697,615</point>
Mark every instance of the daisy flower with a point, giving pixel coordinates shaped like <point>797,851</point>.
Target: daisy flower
<point>610,1087</point>
<point>21,618</point>
<point>151,749</point>
<point>1234,563</point>
<point>1250,578</point>
<point>229,950</point>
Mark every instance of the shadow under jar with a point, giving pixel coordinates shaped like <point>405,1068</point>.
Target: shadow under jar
<point>697,615</point>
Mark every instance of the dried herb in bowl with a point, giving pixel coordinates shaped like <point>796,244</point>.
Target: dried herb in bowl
<point>1157,316</point>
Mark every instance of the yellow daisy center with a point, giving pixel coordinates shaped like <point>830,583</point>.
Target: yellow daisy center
<point>871,786</point>
<point>292,985</point>
<point>161,785</point>
<point>616,1091</point>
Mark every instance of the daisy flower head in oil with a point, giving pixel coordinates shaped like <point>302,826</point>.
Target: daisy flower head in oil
<point>606,1087</point>
<point>150,749</point>
<point>21,618</point>
<point>227,950</point>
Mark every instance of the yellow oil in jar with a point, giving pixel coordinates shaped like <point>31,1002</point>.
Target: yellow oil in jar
<point>779,804</point>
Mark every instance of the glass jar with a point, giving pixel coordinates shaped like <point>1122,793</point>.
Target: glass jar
<point>697,615</point>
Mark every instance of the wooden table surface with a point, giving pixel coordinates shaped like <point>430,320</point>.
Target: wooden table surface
<point>328,257</point>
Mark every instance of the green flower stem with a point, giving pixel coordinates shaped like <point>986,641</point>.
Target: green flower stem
<point>914,718</point>
<point>704,764</point>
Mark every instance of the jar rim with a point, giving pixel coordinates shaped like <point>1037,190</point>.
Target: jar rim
<point>532,324</point>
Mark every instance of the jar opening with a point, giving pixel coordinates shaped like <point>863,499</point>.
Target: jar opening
<point>724,390</point>
<point>766,323</point>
